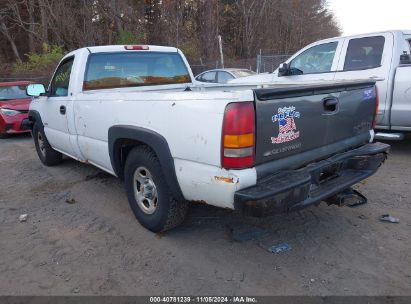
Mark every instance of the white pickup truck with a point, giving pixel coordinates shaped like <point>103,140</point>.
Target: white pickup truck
<point>135,112</point>
<point>383,56</point>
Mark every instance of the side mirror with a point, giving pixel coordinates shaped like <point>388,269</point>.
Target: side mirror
<point>35,90</point>
<point>284,70</point>
<point>405,58</point>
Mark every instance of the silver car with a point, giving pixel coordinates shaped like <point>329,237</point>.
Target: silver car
<point>223,75</point>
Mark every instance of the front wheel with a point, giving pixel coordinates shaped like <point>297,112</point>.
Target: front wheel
<point>148,193</point>
<point>46,153</point>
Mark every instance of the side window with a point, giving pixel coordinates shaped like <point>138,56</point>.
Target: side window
<point>209,77</point>
<point>60,83</point>
<point>223,77</point>
<point>364,53</point>
<point>317,59</point>
<point>201,77</point>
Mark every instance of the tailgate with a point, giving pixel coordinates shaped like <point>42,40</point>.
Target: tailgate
<point>323,119</point>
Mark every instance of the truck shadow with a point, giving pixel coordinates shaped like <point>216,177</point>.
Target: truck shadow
<point>16,137</point>
<point>315,223</point>
<point>400,147</point>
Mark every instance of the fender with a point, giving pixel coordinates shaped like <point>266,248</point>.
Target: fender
<point>150,138</point>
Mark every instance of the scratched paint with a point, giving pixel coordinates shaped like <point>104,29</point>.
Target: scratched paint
<point>225,179</point>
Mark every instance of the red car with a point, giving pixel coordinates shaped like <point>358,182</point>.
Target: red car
<point>14,108</point>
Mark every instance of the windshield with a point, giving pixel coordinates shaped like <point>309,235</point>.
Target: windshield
<point>116,70</point>
<point>12,92</point>
<point>243,73</point>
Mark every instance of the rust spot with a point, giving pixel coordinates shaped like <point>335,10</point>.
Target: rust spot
<point>224,179</point>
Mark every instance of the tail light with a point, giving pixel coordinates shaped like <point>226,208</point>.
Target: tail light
<point>374,122</point>
<point>238,138</point>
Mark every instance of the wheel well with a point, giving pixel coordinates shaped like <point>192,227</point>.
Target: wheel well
<point>32,120</point>
<point>122,148</point>
<point>122,139</point>
<point>34,117</point>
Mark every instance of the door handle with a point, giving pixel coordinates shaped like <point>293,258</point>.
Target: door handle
<point>62,110</point>
<point>330,104</point>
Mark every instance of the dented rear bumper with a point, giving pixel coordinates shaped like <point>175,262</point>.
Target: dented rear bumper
<point>297,189</point>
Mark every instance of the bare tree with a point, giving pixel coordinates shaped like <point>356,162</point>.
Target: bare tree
<point>6,29</point>
<point>278,26</point>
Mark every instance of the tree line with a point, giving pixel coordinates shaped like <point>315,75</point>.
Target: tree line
<point>246,26</point>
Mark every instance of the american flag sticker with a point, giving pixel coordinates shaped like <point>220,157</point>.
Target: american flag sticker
<point>368,94</point>
<point>287,129</point>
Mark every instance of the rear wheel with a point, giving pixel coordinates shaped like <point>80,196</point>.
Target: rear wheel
<point>148,193</point>
<point>46,153</point>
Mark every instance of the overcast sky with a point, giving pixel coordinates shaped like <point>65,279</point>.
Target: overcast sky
<point>364,16</point>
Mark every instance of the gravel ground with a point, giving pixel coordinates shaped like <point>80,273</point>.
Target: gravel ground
<point>94,246</point>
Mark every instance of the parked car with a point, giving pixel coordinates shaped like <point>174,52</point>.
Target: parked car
<point>137,113</point>
<point>14,108</point>
<point>223,75</point>
<point>384,57</point>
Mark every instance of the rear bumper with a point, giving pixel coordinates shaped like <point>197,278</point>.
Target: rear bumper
<point>297,189</point>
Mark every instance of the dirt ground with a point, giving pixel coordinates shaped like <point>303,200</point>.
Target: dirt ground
<point>95,246</point>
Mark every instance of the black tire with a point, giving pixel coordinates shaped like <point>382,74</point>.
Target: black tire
<point>46,153</point>
<point>4,135</point>
<point>168,211</point>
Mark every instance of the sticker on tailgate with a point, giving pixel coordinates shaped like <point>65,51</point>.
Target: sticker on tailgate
<point>368,94</point>
<point>287,129</point>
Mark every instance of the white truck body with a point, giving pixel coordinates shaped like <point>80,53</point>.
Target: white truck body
<point>183,124</point>
<point>393,78</point>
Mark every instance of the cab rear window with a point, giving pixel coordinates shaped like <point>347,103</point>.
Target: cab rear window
<point>117,70</point>
<point>364,53</point>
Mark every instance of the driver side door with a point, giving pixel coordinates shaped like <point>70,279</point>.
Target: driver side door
<point>315,63</point>
<point>55,109</point>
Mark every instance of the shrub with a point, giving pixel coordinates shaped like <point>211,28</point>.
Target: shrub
<point>40,64</point>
